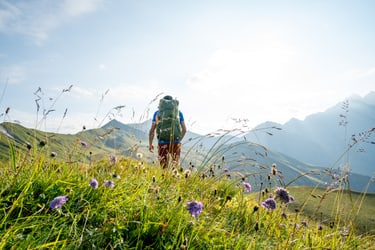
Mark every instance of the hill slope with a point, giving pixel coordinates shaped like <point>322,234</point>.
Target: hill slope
<point>205,152</point>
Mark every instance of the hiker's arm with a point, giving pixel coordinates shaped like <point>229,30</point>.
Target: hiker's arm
<point>151,137</point>
<point>183,126</point>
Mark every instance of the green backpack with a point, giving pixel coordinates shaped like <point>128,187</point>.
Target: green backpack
<point>168,126</point>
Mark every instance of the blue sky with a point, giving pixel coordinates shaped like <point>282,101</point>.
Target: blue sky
<point>252,60</point>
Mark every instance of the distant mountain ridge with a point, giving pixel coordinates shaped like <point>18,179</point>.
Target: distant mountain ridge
<point>322,141</point>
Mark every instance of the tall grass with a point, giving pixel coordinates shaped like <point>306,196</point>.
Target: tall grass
<point>147,207</point>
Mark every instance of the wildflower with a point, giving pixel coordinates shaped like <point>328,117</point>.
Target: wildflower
<point>112,159</point>
<point>283,194</point>
<point>269,204</point>
<point>110,184</point>
<point>195,208</point>
<point>85,144</point>
<point>304,223</point>
<point>247,186</point>
<point>53,154</point>
<point>255,208</point>
<point>42,143</point>
<point>174,172</point>
<point>58,202</point>
<point>274,169</point>
<point>94,183</point>
<point>139,155</point>
<point>116,176</point>
<point>187,173</point>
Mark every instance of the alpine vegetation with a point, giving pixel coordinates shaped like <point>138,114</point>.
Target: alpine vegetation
<point>217,200</point>
<point>152,208</point>
<point>247,186</point>
<point>94,183</point>
<point>195,208</point>
<point>269,204</point>
<point>58,202</point>
<point>109,183</point>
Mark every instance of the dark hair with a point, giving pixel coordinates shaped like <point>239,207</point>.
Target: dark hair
<point>168,97</point>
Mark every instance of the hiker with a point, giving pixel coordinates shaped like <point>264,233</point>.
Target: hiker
<point>168,121</point>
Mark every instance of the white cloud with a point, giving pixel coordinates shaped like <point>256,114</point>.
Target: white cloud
<point>77,8</point>
<point>8,13</point>
<point>36,19</point>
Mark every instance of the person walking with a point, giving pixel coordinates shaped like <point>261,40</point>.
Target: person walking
<point>168,122</point>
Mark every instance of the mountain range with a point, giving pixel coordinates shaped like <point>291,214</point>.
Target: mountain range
<point>342,134</point>
<point>315,151</point>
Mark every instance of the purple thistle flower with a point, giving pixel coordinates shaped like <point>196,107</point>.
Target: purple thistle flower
<point>269,204</point>
<point>110,184</point>
<point>195,208</point>
<point>94,183</point>
<point>247,186</point>
<point>283,194</point>
<point>85,144</point>
<point>58,202</point>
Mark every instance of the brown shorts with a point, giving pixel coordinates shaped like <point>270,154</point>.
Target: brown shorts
<point>169,154</point>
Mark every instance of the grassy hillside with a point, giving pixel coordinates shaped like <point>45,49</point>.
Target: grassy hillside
<point>336,206</point>
<point>49,203</point>
<point>118,139</point>
<point>100,142</point>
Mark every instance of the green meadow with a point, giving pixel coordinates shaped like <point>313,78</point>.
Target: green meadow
<point>126,203</point>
